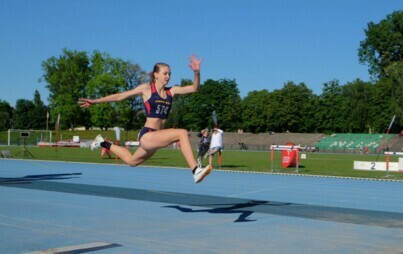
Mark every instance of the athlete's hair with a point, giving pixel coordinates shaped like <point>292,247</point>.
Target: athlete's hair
<point>156,69</point>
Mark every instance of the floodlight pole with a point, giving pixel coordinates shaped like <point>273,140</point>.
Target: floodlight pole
<point>47,124</point>
<point>47,119</point>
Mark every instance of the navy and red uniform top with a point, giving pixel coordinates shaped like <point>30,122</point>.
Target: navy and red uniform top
<point>156,106</point>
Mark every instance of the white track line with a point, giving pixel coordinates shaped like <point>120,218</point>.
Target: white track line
<point>86,247</point>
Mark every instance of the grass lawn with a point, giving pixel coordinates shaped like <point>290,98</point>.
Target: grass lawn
<point>314,164</point>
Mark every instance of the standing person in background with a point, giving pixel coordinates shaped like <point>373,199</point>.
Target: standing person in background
<point>157,100</point>
<point>204,145</point>
<point>216,145</point>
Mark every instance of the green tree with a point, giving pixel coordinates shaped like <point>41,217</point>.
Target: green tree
<point>295,108</point>
<point>39,113</point>
<point>387,100</point>
<point>66,78</point>
<point>394,76</point>
<point>330,109</point>
<point>30,114</point>
<point>383,44</point>
<point>382,50</point>
<point>358,99</point>
<point>113,75</point>
<point>106,78</point>
<point>257,112</point>
<point>6,113</point>
<point>134,75</point>
<point>23,114</point>
<point>381,112</point>
<point>194,111</point>
<point>221,96</point>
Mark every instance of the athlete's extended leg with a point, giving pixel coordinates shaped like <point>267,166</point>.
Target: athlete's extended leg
<point>152,141</point>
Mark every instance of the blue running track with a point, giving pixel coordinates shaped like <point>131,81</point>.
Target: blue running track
<point>59,207</point>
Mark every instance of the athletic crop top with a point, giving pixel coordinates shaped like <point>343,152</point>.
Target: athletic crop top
<point>156,106</point>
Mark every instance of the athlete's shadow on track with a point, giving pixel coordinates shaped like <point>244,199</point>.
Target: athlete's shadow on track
<point>233,209</point>
<point>32,178</point>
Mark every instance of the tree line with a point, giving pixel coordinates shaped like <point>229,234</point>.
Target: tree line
<point>354,107</point>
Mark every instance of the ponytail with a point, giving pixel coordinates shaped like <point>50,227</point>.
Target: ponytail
<point>151,74</point>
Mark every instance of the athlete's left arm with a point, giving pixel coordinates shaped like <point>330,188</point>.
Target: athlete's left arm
<point>195,66</point>
<point>175,90</point>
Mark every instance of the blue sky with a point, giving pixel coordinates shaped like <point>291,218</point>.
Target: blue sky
<point>261,44</point>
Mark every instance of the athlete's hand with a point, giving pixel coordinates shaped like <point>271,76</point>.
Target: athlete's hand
<point>195,63</point>
<point>85,103</point>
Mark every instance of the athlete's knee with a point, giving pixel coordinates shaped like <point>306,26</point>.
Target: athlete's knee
<point>133,163</point>
<point>183,133</point>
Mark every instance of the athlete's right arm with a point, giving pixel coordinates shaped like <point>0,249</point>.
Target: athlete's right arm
<point>139,90</point>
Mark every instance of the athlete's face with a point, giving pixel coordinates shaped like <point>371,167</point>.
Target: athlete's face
<point>164,75</point>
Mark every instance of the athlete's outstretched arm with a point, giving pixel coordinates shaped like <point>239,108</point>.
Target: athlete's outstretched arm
<point>195,66</point>
<point>85,103</point>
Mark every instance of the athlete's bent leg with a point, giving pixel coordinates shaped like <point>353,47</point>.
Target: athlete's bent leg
<point>163,138</point>
<point>139,156</point>
<point>152,141</point>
